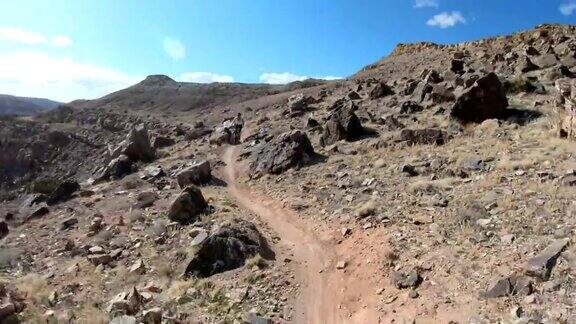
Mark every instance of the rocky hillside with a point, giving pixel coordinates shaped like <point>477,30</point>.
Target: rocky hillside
<point>159,93</point>
<point>22,106</point>
<point>435,185</point>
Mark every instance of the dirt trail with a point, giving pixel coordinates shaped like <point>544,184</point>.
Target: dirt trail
<point>327,295</point>
<point>317,303</point>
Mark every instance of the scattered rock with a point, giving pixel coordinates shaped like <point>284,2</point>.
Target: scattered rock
<point>3,229</point>
<point>509,286</point>
<point>136,146</point>
<point>227,248</point>
<point>188,206</point>
<point>63,192</point>
<point>152,316</point>
<point>145,199</point>
<point>288,150</point>
<point>542,264</point>
<point>197,174</point>
<point>229,132</point>
<point>405,280</point>
<point>486,99</point>
<point>423,136</point>
<point>342,124</point>
<point>162,141</point>
<point>68,223</point>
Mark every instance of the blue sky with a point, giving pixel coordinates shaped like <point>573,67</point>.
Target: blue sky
<point>83,49</point>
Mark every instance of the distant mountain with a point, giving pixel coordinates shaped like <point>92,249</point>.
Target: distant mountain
<point>23,106</point>
<point>160,93</point>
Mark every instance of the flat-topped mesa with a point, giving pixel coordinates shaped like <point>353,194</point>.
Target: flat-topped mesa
<point>157,80</point>
<point>407,48</point>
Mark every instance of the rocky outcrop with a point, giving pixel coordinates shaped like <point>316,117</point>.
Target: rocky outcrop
<point>136,146</point>
<point>298,103</point>
<point>342,124</point>
<point>188,206</point>
<point>423,136</point>
<point>63,192</point>
<point>566,107</point>
<point>226,248</point>
<point>197,174</point>
<point>486,99</point>
<point>288,150</point>
<point>229,132</point>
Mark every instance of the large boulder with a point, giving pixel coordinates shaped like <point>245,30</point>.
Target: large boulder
<point>379,90</point>
<point>136,146</point>
<point>485,99</point>
<point>229,132</point>
<point>63,192</point>
<point>342,124</point>
<point>197,174</point>
<point>298,103</point>
<point>188,206</point>
<point>226,248</point>
<point>288,150</point>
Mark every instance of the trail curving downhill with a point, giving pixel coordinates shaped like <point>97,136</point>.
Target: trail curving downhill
<point>316,302</point>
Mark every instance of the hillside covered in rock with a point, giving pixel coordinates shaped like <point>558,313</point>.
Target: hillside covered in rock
<point>434,185</point>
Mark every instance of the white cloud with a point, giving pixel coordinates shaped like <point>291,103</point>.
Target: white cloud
<point>426,4</point>
<point>281,78</point>
<point>205,77</point>
<point>174,48</point>
<point>26,37</point>
<point>38,74</point>
<point>567,8</point>
<point>445,19</point>
<point>17,35</point>
<point>287,77</point>
<point>61,41</point>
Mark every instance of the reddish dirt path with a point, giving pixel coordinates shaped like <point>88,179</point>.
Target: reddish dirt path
<point>325,293</point>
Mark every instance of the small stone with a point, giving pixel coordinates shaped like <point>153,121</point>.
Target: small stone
<point>68,223</point>
<point>124,319</point>
<point>483,222</point>
<point>341,265</point>
<point>508,286</point>
<point>413,294</point>
<point>199,238</point>
<point>346,231</point>
<point>152,316</point>
<point>541,265</point>
<point>507,239</point>
<point>138,267</point>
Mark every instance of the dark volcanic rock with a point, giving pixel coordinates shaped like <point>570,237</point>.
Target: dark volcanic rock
<point>3,229</point>
<point>380,90</point>
<point>342,124</point>
<point>227,248</point>
<point>162,141</point>
<point>509,286</point>
<point>486,99</point>
<point>63,192</point>
<point>391,123</point>
<point>410,107</point>
<point>188,206</point>
<point>288,150</point>
<point>541,265</point>
<point>423,136</point>
<point>197,174</point>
